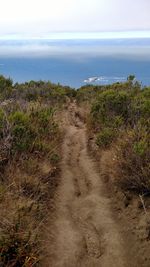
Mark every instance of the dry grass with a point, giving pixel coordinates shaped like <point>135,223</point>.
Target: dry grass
<point>134,168</point>
<point>24,201</point>
<point>29,177</point>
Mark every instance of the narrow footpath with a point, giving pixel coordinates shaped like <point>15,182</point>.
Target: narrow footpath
<point>84,230</point>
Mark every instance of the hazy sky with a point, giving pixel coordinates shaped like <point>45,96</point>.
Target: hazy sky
<point>39,17</point>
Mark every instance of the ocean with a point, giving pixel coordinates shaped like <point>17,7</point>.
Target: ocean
<point>72,62</point>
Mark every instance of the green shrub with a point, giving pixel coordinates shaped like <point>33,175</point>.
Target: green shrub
<point>6,86</point>
<point>111,103</point>
<point>140,108</point>
<point>43,121</point>
<point>44,115</point>
<point>105,137</point>
<point>22,134</point>
<point>117,122</point>
<point>5,82</point>
<point>133,158</point>
<point>121,112</point>
<point>19,118</point>
<point>141,147</point>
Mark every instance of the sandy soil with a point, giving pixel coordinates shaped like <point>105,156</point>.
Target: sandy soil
<point>84,231</point>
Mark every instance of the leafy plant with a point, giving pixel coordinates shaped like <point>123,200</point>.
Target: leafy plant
<point>105,137</point>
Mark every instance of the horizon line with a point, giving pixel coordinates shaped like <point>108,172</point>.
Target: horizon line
<point>78,35</point>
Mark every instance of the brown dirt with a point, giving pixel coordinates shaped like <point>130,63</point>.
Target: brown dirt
<point>128,210</point>
<point>84,230</point>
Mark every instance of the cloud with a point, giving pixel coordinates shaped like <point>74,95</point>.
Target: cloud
<point>81,49</point>
<point>36,17</point>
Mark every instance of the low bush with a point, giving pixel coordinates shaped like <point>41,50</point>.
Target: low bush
<point>22,135</point>
<point>29,155</point>
<point>133,156</point>
<point>120,116</point>
<point>105,137</point>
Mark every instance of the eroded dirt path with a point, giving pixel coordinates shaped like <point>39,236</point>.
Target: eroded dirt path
<point>85,233</point>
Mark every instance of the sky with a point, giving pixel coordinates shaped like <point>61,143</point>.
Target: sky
<point>40,18</point>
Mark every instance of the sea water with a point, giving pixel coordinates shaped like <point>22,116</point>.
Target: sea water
<point>72,62</point>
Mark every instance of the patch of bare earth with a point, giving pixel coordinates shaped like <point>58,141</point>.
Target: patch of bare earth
<point>130,212</point>
<point>84,229</point>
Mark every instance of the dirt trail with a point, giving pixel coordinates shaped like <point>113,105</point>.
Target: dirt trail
<point>85,233</point>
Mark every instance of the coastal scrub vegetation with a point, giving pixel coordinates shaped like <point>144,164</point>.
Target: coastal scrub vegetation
<point>120,118</point>
<point>30,140</point>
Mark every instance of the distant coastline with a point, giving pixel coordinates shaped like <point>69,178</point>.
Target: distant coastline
<point>72,71</point>
<point>74,61</point>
